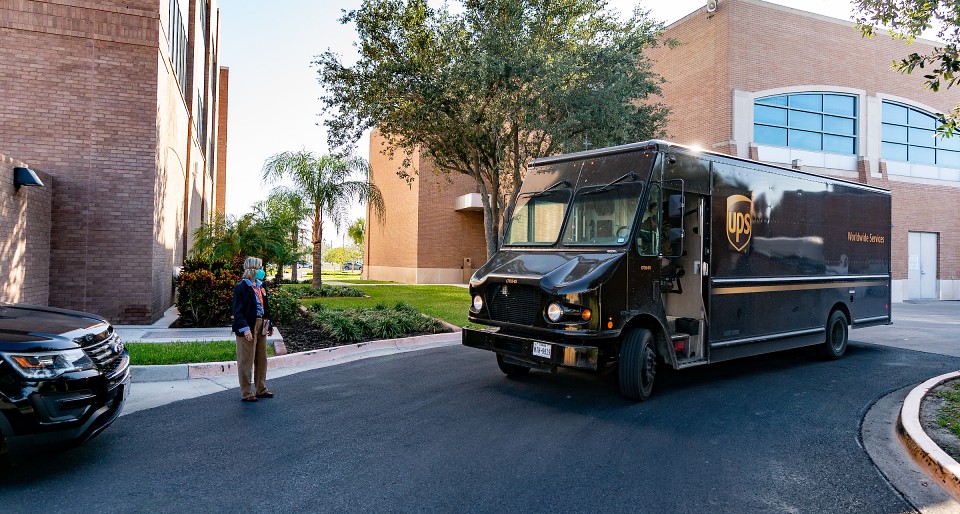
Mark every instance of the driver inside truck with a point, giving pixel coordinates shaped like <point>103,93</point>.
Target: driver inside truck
<point>649,231</point>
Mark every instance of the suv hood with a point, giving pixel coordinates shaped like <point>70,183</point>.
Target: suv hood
<point>557,272</point>
<point>32,327</point>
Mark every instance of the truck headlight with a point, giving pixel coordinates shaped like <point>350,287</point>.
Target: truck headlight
<point>50,364</point>
<point>477,303</point>
<point>554,312</point>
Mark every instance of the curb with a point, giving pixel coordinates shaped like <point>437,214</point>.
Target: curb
<point>931,458</point>
<point>163,373</point>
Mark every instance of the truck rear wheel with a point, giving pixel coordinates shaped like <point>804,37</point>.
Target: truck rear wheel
<point>511,370</point>
<point>837,336</point>
<point>638,364</point>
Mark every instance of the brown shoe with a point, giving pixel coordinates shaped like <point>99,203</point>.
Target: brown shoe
<point>250,399</point>
<point>265,394</point>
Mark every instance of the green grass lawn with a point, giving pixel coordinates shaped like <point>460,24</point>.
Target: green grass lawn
<point>448,303</point>
<point>184,352</point>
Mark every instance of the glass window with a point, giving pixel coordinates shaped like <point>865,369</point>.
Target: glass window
<point>807,102</point>
<point>921,137</point>
<point>771,115</point>
<point>537,218</point>
<point>648,238</point>
<point>948,159</point>
<point>773,100</point>
<point>950,143</point>
<point>894,152</point>
<point>807,118</point>
<point>765,135</point>
<point>922,155</point>
<point>837,144</point>
<point>840,104</point>
<point>838,125</point>
<point>921,119</point>
<point>603,216</point>
<point>894,133</point>
<point>804,139</point>
<point>916,128</point>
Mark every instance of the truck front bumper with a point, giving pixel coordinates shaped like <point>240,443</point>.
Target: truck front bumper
<point>521,349</point>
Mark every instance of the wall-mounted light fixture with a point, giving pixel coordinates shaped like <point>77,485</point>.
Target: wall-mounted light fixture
<point>25,177</point>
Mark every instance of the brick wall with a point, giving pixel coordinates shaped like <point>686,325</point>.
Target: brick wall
<point>697,76</point>
<point>392,242</point>
<point>221,180</point>
<point>440,224</point>
<point>750,45</point>
<point>24,237</point>
<point>90,97</point>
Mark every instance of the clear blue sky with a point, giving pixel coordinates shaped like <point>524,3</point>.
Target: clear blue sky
<point>274,93</point>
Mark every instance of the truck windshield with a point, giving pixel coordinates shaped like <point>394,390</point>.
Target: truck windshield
<point>538,216</point>
<point>603,216</point>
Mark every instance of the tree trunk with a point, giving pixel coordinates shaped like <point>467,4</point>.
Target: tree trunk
<point>317,249</point>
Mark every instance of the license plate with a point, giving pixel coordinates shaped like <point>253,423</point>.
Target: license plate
<point>542,350</point>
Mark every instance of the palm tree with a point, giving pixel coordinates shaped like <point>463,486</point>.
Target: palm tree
<point>229,239</point>
<point>283,210</point>
<point>324,184</point>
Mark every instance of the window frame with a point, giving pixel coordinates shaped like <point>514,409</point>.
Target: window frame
<point>941,147</point>
<point>798,131</point>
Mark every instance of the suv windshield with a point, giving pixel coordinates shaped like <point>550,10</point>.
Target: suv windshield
<point>603,216</point>
<point>538,217</point>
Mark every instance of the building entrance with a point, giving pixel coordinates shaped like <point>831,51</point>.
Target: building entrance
<point>922,269</point>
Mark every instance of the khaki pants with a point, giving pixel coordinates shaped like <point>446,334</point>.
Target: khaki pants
<point>252,354</point>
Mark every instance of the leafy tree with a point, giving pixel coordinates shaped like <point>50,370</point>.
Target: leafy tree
<point>483,91</point>
<point>229,239</point>
<point>342,255</point>
<point>908,19</point>
<point>283,211</point>
<point>323,182</point>
<point>356,231</point>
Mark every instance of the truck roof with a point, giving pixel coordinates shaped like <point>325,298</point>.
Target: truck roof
<point>662,145</point>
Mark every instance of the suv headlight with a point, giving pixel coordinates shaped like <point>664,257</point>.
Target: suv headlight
<point>477,303</point>
<point>52,364</point>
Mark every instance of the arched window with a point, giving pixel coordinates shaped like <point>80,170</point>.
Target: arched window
<point>822,122</point>
<point>910,135</point>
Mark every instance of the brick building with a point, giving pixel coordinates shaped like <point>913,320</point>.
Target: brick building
<point>116,102</point>
<point>790,87</point>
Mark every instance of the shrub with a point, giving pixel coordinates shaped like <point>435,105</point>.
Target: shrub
<point>379,322</point>
<point>205,291</point>
<point>284,305</point>
<point>325,291</point>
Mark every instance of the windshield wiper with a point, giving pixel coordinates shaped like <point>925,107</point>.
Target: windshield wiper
<point>607,187</point>
<point>547,190</point>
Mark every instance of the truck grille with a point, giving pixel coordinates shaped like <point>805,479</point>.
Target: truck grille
<point>106,356</point>
<point>514,303</point>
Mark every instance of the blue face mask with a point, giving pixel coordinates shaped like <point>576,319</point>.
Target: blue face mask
<point>260,274</point>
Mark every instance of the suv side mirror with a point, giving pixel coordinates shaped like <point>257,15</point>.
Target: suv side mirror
<point>675,208</point>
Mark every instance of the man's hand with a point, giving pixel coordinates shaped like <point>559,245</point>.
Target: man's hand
<point>249,335</point>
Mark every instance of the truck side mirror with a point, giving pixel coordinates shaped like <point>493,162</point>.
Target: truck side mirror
<point>675,208</point>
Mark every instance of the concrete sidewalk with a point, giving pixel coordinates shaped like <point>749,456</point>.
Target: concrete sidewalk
<point>163,384</point>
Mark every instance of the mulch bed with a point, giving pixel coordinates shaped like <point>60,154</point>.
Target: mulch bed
<point>302,335</point>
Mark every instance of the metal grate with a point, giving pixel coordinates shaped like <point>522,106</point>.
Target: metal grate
<point>514,303</point>
<point>108,355</point>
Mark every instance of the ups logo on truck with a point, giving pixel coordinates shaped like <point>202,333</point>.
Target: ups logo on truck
<point>739,221</point>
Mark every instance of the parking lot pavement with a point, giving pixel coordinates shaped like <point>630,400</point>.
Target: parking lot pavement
<point>923,326</point>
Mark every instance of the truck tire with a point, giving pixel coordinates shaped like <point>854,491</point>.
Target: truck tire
<point>638,364</point>
<point>835,344</point>
<point>511,370</point>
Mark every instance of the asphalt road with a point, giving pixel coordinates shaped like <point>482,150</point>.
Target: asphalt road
<point>444,430</point>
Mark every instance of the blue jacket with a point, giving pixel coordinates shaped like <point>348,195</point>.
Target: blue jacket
<point>245,307</point>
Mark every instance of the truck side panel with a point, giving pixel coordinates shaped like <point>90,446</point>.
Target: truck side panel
<point>788,247</point>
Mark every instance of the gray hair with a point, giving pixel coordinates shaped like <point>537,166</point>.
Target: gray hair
<point>250,267</point>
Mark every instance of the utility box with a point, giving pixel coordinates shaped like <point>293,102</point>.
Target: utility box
<point>467,270</point>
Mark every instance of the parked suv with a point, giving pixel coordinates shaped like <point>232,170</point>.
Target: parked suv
<point>64,377</point>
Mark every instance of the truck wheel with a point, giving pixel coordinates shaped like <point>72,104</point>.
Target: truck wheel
<point>836,343</point>
<point>638,365</point>
<point>511,370</point>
